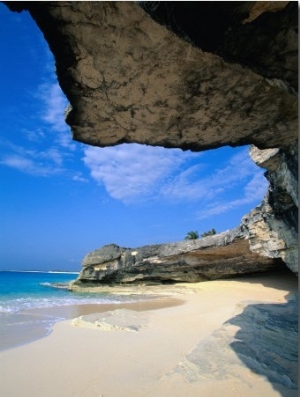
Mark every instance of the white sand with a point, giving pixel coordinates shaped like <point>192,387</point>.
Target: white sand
<point>151,357</point>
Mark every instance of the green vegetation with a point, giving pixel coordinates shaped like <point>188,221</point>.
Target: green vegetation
<point>209,233</point>
<point>192,235</point>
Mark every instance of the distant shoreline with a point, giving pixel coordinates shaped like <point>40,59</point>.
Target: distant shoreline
<point>41,271</point>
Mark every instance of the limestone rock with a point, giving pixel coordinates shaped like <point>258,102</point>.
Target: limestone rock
<point>252,34</point>
<point>272,227</point>
<point>174,82</point>
<point>220,256</point>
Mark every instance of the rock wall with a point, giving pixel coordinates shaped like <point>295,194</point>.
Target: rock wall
<point>272,227</point>
<point>215,257</point>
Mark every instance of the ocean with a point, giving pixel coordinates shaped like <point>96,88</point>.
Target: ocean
<point>32,302</point>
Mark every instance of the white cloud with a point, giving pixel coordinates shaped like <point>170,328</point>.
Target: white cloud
<point>29,166</point>
<point>252,193</point>
<point>257,187</point>
<point>79,178</point>
<point>133,171</point>
<point>49,150</point>
<point>32,161</point>
<point>35,135</point>
<point>17,162</point>
<point>53,155</point>
<point>185,185</point>
<point>195,183</point>
<point>55,104</point>
<point>240,167</point>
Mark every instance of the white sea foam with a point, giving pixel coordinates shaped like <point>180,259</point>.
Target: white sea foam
<point>59,272</point>
<point>5,309</point>
<point>21,304</point>
<point>55,285</point>
<point>21,292</point>
<point>39,271</point>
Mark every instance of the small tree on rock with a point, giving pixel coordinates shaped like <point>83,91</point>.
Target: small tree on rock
<point>209,233</point>
<point>192,235</point>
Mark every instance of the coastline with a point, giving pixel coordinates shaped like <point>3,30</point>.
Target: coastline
<point>192,341</point>
<point>31,325</point>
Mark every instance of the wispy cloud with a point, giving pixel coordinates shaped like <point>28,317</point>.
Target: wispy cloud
<point>54,105</point>
<point>252,193</point>
<point>44,149</point>
<point>38,160</point>
<point>134,172</point>
<point>78,177</point>
<point>34,135</point>
<point>29,166</point>
<point>192,184</point>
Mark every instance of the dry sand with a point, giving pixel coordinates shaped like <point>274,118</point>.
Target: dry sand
<point>196,346</point>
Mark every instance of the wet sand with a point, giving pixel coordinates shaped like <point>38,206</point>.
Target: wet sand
<point>33,324</point>
<point>233,337</point>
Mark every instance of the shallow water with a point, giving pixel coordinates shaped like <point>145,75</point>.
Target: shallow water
<point>32,302</point>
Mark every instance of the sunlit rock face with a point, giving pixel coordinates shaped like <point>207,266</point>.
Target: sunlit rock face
<point>215,257</point>
<point>189,75</point>
<point>272,227</point>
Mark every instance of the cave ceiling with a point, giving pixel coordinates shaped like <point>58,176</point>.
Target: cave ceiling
<point>190,75</point>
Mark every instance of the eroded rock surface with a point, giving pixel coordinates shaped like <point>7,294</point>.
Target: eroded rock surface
<point>215,257</point>
<point>229,79</point>
<point>272,227</point>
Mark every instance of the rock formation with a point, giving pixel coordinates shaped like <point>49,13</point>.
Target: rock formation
<point>189,75</point>
<point>215,257</point>
<point>230,80</point>
<point>272,227</point>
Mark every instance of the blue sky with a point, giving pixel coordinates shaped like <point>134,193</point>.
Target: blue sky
<point>60,199</point>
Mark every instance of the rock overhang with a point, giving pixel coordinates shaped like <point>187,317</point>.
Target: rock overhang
<point>146,72</point>
<point>137,72</point>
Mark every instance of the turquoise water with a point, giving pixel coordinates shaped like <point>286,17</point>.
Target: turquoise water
<point>24,290</point>
<point>30,290</point>
<point>31,302</point>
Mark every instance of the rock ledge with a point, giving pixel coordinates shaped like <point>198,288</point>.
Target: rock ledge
<point>220,256</point>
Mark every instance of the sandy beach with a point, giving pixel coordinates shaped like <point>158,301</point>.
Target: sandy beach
<point>234,337</point>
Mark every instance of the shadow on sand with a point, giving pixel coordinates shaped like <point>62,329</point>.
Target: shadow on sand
<point>260,337</point>
<point>267,342</point>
